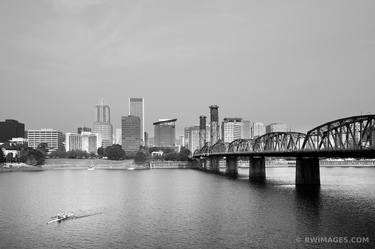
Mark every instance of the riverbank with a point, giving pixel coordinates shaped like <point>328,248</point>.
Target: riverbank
<point>11,167</point>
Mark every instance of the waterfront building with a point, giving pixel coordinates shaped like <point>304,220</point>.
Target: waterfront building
<point>257,129</point>
<point>165,132</point>
<point>131,139</point>
<point>118,136</point>
<point>11,128</point>
<point>246,129</point>
<point>137,109</point>
<point>53,138</point>
<point>193,143</point>
<point>214,124</point>
<point>277,127</point>
<point>102,125</point>
<point>83,129</point>
<point>86,141</point>
<point>146,142</point>
<point>231,129</point>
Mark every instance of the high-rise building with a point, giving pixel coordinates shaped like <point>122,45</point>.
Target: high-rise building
<point>258,129</point>
<point>130,127</point>
<point>118,136</point>
<point>231,129</point>
<point>86,141</point>
<point>246,129</point>
<point>277,127</point>
<point>53,138</point>
<point>83,129</point>
<point>202,131</point>
<point>165,133</point>
<point>214,123</point>
<point>102,125</point>
<point>137,109</point>
<point>11,129</point>
<point>193,138</point>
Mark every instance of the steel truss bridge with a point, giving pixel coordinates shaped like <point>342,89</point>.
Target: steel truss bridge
<point>351,137</point>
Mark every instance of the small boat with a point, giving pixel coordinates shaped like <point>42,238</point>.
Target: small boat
<point>91,167</point>
<point>60,217</point>
<point>131,168</point>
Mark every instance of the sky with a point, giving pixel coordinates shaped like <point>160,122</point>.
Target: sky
<point>299,62</point>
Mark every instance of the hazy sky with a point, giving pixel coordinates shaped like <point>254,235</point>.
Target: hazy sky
<point>298,62</point>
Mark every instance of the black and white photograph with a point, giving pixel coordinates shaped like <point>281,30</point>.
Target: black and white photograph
<point>173,124</point>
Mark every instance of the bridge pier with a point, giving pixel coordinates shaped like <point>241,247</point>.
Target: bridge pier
<point>307,171</point>
<point>203,163</point>
<point>214,164</point>
<point>231,169</point>
<point>257,169</point>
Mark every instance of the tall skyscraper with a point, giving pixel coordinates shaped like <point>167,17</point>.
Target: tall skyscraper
<point>202,131</point>
<point>137,109</point>
<point>165,133</point>
<point>11,129</point>
<point>214,124</point>
<point>131,140</point>
<point>102,125</point>
<point>53,138</point>
<point>193,138</point>
<point>231,129</point>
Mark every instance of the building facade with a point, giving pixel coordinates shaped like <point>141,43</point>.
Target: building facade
<point>277,127</point>
<point>165,133</point>
<point>257,129</point>
<point>246,129</point>
<point>86,141</point>
<point>193,142</point>
<point>231,129</point>
<point>103,126</point>
<point>83,129</point>
<point>11,129</point>
<point>130,127</point>
<point>137,109</point>
<point>53,138</point>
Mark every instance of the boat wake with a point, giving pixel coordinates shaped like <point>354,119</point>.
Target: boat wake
<point>72,216</point>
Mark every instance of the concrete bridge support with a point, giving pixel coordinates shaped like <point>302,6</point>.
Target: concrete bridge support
<point>307,171</point>
<point>203,163</point>
<point>257,169</point>
<point>214,164</point>
<point>231,169</point>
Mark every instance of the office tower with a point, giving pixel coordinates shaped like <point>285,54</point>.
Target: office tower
<point>83,129</point>
<point>11,129</point>
<point>231,129</point>
<point>165,132</point>
<point>86,141</point>
<point>137,109</point>
<point>53,138</point>
<point>258,129</point>
<point>146,142</point>
<point>118,136</point>
<point>193,138</point>
<point>186,136</point>
<point>202,131</point>
<point>130,127</point>
<point>214,124</point>
<point>246,129</point>
<point>277,127</point>
<point>102,125</point>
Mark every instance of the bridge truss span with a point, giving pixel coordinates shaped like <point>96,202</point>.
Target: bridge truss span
<point>279,142</point>
<point>353,133</point>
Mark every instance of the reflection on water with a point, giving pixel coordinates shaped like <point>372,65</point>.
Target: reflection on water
<point>183,209</point>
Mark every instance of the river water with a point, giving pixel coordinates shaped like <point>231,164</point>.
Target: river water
<point>184,208</point>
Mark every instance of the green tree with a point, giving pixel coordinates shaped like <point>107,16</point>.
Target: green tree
<point>32,157</point>
<point>43,147</point>
<point>9,157</point>
<point>184,154</point>
<point>2,157</point>
<point>100,151</point>
<point>140,157</point>
<point>114,152</point>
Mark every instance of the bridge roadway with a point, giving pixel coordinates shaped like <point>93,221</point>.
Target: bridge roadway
<point>352,137</point>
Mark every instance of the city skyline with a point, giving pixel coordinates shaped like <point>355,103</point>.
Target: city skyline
<point>296,72</point>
